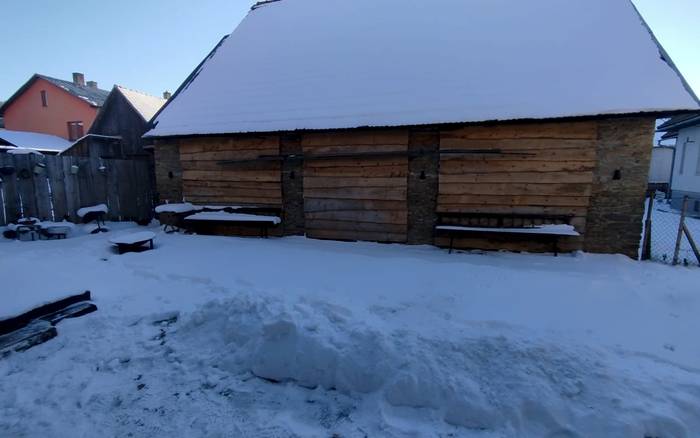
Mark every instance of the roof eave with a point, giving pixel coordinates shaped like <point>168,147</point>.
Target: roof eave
<point>185,84</point>
<point>18,93</point>
<point>444,125</point>
<point>679,125</point>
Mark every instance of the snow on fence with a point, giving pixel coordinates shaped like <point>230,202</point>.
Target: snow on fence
<point>55,187</point>
<point>665,223</point>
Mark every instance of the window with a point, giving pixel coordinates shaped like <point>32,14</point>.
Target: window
<point>75,130</point>
<point>44,98</point>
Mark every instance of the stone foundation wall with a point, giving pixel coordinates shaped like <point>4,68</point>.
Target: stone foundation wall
<point>615,215</point>
<point>168,170</point>
<point>423,174</point>
<point>292,187</point>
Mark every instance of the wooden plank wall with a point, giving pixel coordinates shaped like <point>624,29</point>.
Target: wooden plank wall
<point>544,169</point>
<point>356,198</point>
<point>124,185</point>
<point>205,181</point>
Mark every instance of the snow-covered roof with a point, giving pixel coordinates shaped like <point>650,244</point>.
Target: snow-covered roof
<point>93,96</point>
<point>145,104</point>
<point>34,140</point>
<point>324,64</point>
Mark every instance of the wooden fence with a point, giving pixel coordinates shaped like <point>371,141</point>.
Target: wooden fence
<point>55,187</point>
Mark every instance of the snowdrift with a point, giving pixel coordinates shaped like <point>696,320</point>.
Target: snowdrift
<point>507,385</point>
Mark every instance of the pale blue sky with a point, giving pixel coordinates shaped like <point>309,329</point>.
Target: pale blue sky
<point>152,45</point>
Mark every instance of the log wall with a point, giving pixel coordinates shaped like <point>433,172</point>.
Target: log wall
<point>356,198</point>
<point>206,181</point>
<point>548,168</point>
<point>545,168</point>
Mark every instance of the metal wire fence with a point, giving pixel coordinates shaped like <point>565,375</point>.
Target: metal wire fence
<point>669,241</point>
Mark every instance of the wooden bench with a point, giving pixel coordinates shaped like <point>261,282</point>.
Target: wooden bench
<point>262,218</point>
<point>551,227</point>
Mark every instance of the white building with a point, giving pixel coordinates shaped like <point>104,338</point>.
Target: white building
<point>661,167</point>
<point>685,179</point>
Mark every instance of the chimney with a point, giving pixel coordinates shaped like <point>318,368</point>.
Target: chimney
<point>79,79</point>
<point>167,95</point>
<point>92,84</point>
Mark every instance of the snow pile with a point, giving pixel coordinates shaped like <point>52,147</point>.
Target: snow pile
<point>509,386</point>
<point>101,208</point>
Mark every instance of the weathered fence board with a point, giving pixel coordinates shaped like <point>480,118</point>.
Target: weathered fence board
<point>55,187</point>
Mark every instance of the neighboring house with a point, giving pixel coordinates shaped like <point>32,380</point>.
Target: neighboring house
<point>118,129</point>
<point>2,121</point>
<point>20,141</point>
<point>685,179</point>
<point>661,168</point>
<point>53,106</point>
<point>369,120</point>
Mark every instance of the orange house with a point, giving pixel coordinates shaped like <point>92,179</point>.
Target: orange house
<point>53,106</point>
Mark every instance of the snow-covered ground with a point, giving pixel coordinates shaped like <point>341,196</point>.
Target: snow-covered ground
<point>295,337</point>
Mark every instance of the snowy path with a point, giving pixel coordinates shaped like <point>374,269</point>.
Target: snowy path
<point>366,340</point>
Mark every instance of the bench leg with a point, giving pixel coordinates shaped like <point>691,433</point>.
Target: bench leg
<point>452,244</point>
<point>556,246</point>
<point>150,243</point>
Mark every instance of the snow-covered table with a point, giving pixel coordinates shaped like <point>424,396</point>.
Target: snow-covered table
<point>94,213</point>
<point>133,241</point>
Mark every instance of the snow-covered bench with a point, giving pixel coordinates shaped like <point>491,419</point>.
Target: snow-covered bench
<point>262,218</point>
<point>133,241</point>
<point>551,227</point>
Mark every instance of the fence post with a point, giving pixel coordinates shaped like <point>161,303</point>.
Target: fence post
<point>646,247</point>
<point>681,225</point>
<point>692,242</point>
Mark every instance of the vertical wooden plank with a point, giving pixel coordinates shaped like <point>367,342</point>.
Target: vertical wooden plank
<point>130,195</point>
<point>10,190</point>
<point>125,184</point>
<point>143,187</point>
<point>113,188</point>
<point>71,188</point>
<point>98,180</point>
<point>86,190</point>
<point>55,174</point>
<point>41,188</point>
<point>25,185</point>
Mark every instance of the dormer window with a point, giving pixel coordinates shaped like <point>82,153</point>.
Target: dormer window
<point>44,99</point>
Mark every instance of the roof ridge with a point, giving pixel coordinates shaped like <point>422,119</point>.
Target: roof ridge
<point>122,87</point>
<point>263,3</point>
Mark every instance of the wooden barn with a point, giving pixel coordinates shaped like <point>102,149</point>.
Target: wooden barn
<point>118,129</point>
<point>449,122</point>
